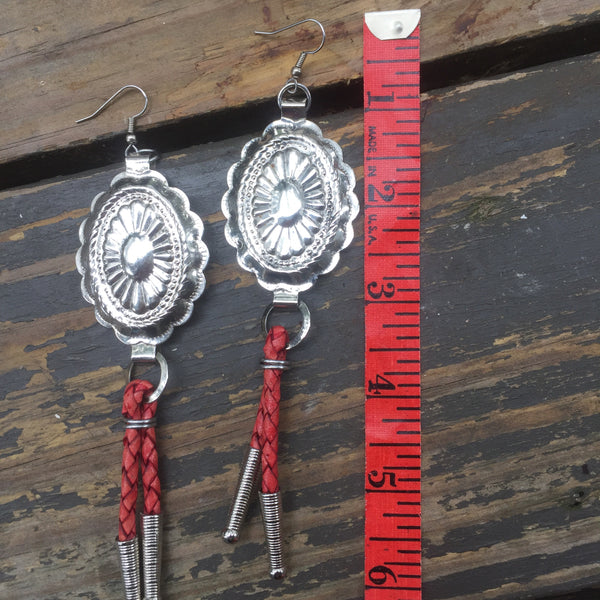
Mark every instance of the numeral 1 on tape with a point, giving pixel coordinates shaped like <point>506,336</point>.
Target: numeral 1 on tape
<point>392,173</point>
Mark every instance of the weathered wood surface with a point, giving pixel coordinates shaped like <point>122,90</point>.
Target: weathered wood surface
<point>510,335</point>
<point>511,492</point>
<point>59,60</point>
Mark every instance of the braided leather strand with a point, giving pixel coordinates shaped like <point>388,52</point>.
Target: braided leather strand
<point>135,407</point>
<point>268,432</point>
<point>150,481</point>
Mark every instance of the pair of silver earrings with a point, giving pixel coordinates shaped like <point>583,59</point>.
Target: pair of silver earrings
<point>289,209</point>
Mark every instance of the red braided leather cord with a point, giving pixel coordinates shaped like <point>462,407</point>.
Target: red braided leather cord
<point>138,444</point>
<point>150,481</point>
<point>268,430</point>
<point>255,439</point>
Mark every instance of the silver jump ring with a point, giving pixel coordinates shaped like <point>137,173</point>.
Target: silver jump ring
<point>140,423</point>
<point>294,86</point>
<point>304,327</point>
<point>164,376</point>
<point>132,151</point>
<point>281,365</point>
<point>292,81</point>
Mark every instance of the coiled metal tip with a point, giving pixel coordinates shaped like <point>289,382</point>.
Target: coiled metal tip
<point>278,573</point>
<point>231,536</point>
<point>239,506</point>
<point>270,504</point>
<point>151,555</point>
<point>129,554</point>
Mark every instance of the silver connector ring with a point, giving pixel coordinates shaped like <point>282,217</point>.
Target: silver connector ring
<point>132,151</point>
<point>268,363</point>
<point>293,86</point>
<point>140,423</point>
<point>164,375</point>
<point>304,326</point>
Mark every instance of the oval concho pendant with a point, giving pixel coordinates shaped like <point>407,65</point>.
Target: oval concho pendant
<point>142,256</point>
<point>290,206</point>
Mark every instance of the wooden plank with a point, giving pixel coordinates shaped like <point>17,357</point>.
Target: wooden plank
<point>510,338</point>
<point>58,62</point>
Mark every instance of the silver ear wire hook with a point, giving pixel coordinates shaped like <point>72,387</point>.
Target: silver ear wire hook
<point>297,68</point>
<point>131,139</point>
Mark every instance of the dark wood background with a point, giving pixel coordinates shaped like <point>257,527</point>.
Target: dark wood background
<point>510,298</point>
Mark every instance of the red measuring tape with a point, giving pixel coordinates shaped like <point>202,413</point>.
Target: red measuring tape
<point>392,173</point>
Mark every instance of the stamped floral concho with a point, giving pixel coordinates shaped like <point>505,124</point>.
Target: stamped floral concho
<point>290,205</point>
<point>142,256</point>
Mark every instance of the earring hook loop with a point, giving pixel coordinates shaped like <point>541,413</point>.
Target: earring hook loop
<point>132,118</point>
<point>297,68</point>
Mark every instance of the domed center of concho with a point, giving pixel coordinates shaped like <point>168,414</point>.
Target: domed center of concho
<point>287,203</point>
<point>138,256</point>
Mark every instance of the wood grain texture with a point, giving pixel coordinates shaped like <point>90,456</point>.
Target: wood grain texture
<point>510,351</point>
<point>510,336</point>
<point>59,60</point>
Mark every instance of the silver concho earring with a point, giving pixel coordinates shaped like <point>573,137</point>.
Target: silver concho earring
<point>289,208</point>
<point>142,260</point>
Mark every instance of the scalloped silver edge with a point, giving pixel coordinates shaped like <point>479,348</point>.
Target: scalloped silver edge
<point>331,255</point>
<point>182,207</point>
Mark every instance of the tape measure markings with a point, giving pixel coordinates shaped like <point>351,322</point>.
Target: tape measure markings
<point>392,325</point>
